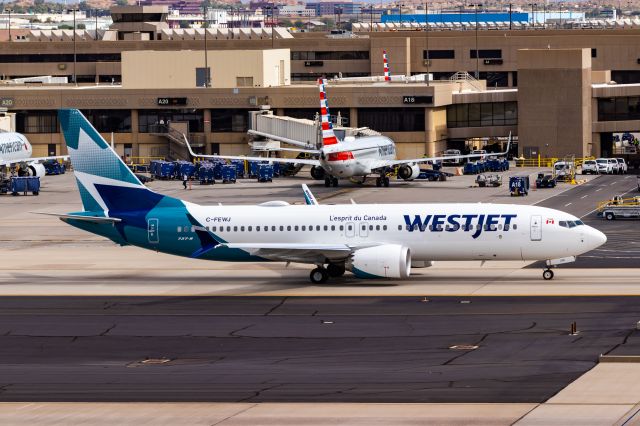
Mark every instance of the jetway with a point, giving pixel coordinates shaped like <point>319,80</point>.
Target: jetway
<point>269,131</point>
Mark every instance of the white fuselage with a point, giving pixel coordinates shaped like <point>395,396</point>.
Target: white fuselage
<point>357,157</point>
<point>14,146</point>
<point>430,231</point>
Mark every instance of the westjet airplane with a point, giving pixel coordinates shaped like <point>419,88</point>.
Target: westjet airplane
<point>353,157</point>
<point>369,240</point>
<point>16,149</point>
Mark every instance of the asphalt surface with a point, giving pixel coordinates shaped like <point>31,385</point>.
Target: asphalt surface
<point>305,349</point>
<point>622,249</point>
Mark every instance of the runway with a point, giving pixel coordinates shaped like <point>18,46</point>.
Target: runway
<point>265,349</point>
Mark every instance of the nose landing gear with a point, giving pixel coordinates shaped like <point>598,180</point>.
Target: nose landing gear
<point>547,274</point>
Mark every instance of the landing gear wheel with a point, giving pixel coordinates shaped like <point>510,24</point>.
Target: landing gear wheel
<point>547,274</point>
<point>327,182</point>
<point>335,270</point>
<point>378,182</point>
<point>385,181</point>
<point>319,276</point>
<point>334,182</point>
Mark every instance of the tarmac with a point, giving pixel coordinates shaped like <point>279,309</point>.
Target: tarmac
<point>87,325</point>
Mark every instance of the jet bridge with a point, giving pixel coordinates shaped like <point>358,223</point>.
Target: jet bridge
<point>269,131</point>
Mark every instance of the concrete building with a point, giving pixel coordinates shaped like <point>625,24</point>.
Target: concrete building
<point>553,89</point>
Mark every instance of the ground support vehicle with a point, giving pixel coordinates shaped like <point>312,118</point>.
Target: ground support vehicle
<point>619,207</point>
<point>519,186</point>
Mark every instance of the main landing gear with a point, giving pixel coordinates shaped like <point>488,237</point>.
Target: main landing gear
<point>382,181</point>
<point>547,274</point>
<point>330,181</point>
<point>321,274</point>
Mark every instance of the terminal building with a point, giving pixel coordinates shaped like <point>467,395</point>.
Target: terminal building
<point>559,92</point>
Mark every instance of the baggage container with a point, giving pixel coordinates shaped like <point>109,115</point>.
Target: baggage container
<point>52,167</point>
<point>229,173</point>
<point>165,170</point>
<point>206,174</point>
<point>184,168</point>
<point>239,164</point>
<point>22,185</point>
<point>265,173</point>
<point>470,169</point>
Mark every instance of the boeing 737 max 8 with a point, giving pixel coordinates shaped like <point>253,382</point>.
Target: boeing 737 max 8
<point>369,240</point>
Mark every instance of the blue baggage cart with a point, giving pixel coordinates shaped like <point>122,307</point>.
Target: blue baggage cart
<point>22,185</point>
<point>239,164</point>
<point>253,168</point>
<point>277,170</point>
<point>470,169</point>
<point>206,174</point>
<point>229,173</point>
<point>184,168</point>
<point>519,186</point>
<point>52,167</point>
<point>265,173</point>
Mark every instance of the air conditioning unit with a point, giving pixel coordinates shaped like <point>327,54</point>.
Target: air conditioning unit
<point>427,62</point>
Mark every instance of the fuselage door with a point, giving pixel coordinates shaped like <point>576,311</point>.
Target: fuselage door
<point>350,229</point>
<point>152,231</point>
<point>364,231</point>
<point>536,228</point>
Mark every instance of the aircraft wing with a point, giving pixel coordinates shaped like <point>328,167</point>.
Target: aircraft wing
<point>305,253</point>
<point>30,159</point>
<point>386,163</point>
<point>275,160</point>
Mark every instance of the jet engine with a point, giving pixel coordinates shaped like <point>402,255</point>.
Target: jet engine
<point>408,171</point>
<point>385,261</point>
<point>37,169</point>
<point>317,172</point>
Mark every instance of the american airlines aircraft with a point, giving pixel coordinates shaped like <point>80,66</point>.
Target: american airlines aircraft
<point>357,157</point>
<point>15,148</point>
<point>369,240</point>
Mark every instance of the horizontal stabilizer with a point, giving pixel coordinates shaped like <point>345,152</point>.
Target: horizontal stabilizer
<point>94,219</point>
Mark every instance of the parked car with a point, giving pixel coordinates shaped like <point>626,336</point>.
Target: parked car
<point>589,167</point>
<point>615,166</point>
<point>480,151</point>
<point>622,166</point>
<point>604,166</point>
<point>453,157</point>
<point>545,181</point>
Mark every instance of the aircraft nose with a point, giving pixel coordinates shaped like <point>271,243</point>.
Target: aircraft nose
<point>595,238</point>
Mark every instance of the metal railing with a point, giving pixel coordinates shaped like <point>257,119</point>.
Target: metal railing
<point>547,161</point>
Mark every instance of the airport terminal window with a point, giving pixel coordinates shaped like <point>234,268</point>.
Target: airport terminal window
<point>494,78</point>
<point>392,119</point>
<point>594,52</point>
<point>229,120</point>
<point>109,120</point>
<point>486,53</point>
<point>619,109</point>
<point>439,54</point>
<point>330,55</point>
<point>59,57</point>
<point>625,77</point>
<point>482,114</point>
<point>150,119</point>
<point>37,121</point>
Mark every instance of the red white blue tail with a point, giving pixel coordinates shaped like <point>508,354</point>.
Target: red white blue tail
<point>385,61</point>
<point>328,137</point>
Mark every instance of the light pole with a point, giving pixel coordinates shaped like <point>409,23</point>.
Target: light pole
<point>533,16</point>
<point>8,10</point>
<point>426,23</point>
<point>75,76</point>
<point>510,20</point>
<point>206,58</point>
<point>401,5</point>
<point>477,53</point>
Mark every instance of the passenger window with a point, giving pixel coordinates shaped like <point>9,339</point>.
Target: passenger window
<point>439,227</point>
<point>349,227</point>
<point>295,228</point>
<point>242,229</point>
<point>213,229</point>
<point>304,228</point>
<point>317,227</point>
<point>281,228</point>
<point>515,226</point>
<point>377,227</point>
<point>333,227</point>
<point>370,227</point>
<point>257,228</point>
<point>399,227</point>
<point>342,227</point>
<point>235,229</point>
<point>228,229</point>
<point>273,228</point>
<point>384,227</point>
<point>500,227</point>
<point>289,228</point>
<point>326,228</point>
<point>506,227</point>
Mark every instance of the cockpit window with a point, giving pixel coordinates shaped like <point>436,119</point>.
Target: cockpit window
<point>579,222</point>
<point>563,223</point>
<point>570,223</point>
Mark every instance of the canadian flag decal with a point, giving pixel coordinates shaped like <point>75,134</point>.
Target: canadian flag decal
<point>550,221</point>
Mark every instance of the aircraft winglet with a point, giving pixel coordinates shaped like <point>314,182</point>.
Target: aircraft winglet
<point>308,196</point>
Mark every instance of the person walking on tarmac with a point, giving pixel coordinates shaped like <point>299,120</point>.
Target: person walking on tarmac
<point>184,180</point>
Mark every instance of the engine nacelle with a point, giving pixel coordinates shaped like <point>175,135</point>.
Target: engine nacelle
<point>385,261</point>
<point>408,171</point>
<point>37,169</point>
<point>317,172</point>
<point>421,263</point>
